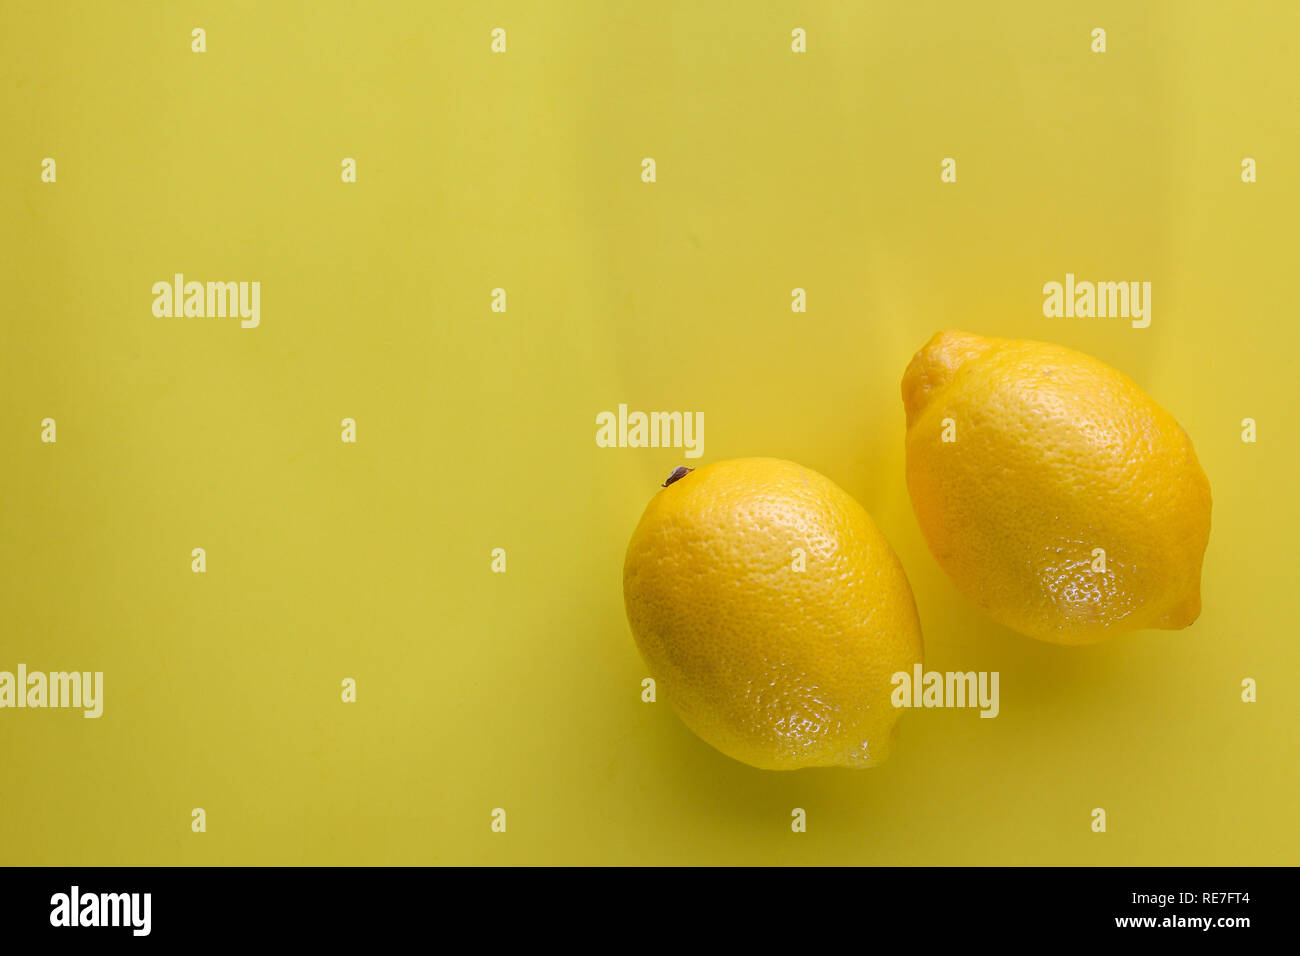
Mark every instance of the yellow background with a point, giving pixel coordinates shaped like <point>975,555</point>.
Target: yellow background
<point>476,429</point>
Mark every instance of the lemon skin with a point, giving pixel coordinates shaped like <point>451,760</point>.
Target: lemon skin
<point>779,661</point>
<point>1064,502</point>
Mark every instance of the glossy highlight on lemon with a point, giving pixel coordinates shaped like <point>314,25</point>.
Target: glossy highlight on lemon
<point>772,614</point>
<point>1057,495</point>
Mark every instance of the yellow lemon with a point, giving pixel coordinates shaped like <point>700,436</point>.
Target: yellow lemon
<point>772,614</point>
<point>1057,495</point>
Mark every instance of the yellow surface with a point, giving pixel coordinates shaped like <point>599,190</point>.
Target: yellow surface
<point>476,429</point>
<point>1059,497</point>
<point>772,614</point>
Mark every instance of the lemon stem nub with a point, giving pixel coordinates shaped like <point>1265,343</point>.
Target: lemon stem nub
<point>681,471</point>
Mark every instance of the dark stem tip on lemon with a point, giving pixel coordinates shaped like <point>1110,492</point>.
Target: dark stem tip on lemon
<point>681,471</point>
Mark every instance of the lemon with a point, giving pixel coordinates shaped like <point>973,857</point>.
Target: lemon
<point>1057,495</point>
<point>772,614</point>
